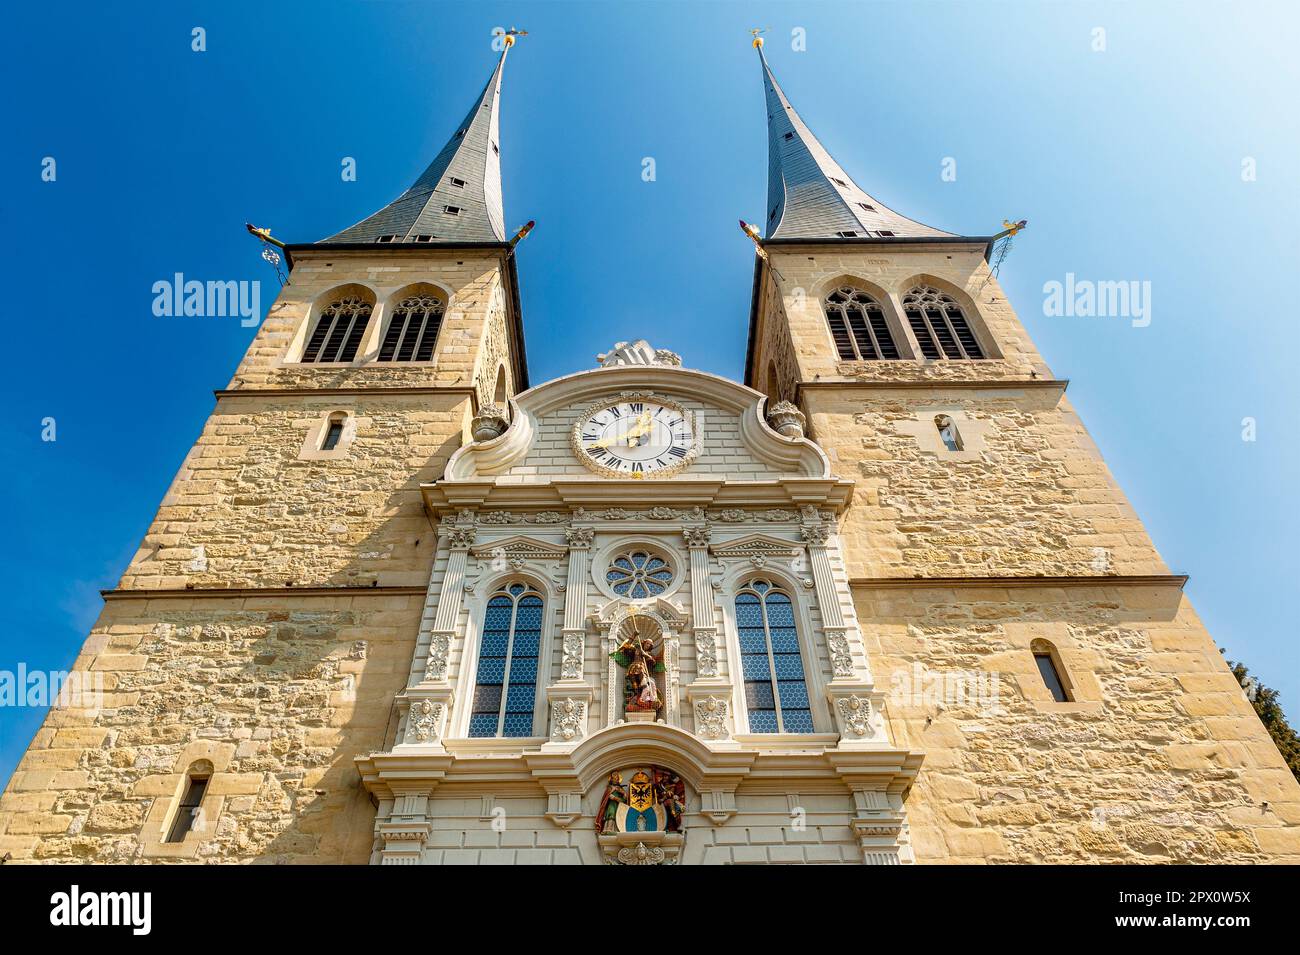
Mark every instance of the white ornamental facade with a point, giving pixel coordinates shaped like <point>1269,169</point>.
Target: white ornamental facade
<point>577,531</point>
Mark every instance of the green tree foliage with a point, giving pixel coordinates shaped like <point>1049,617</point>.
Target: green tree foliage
<point>1270,713</point>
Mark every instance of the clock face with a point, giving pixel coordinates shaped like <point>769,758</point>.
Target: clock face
<point>636,437</point>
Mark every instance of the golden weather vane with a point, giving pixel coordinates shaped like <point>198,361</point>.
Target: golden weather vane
<point>511,34</point>
<point>757,34</point>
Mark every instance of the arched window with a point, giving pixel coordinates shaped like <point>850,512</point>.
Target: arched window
<point>338,331</point>
<point>413,329</point>
<point>858,326</point>
<point>639,574</point>
<point>505,690</point>
<point>939,324</point>
<point>776,694</point>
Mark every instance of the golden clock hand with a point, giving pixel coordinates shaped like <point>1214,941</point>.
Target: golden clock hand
<point>643,424</point>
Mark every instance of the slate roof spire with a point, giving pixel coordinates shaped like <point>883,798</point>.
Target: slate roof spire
<point>808,195</point>
<point>458,197</point>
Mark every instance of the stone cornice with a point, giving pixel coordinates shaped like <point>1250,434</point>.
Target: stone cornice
<point>171,593</point>
<point>683,491</point>
<point>937,384</point>
<point>464,390</point>
<point>1029,580</point>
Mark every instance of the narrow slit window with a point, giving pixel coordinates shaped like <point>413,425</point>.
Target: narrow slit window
<point>338,332</point>
<point>187,812</point>
<point>948,432</point>
<point>1051,676</point>
<point>505,690</point>
<point>333,432</point>
<point>940,325</point>
<point>413,330</point>
<point>858,326</point>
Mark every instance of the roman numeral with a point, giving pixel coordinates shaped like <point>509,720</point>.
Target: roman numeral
<point>636,466</point>
<point>677,452</point>
<point>636,407</point>
<point>615,412</point>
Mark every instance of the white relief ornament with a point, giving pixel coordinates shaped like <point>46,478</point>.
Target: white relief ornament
<point>580,536</point>
<point>841,657</point>
<point>706,653</point>
<point>641,854</point>
<point>571,668</point>
<point>855,714</point>
<point>436,668</point>
<point>422,725</point>
<point>568,719</point>
<point>711,718</point>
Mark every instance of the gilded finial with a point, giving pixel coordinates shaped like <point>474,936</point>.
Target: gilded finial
<point>758,40</point>
<point>511,34</point>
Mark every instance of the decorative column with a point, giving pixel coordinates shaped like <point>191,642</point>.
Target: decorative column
<point>569,699</point>
<point>854,701</point>
<point>405,831</point>
<point>427,705</point>
<point>709,695</point>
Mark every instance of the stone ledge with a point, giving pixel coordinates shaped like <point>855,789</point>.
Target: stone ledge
<point>1029,580</point>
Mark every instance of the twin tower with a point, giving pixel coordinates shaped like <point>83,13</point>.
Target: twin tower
<point>895,607</point>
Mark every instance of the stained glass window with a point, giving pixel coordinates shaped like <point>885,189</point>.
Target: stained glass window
<point>639,574</point>
<point>505,689</point>
<point>776,694</point>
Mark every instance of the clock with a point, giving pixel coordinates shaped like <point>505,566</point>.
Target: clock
<point>636,436</point>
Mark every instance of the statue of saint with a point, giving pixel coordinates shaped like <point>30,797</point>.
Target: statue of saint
<point>607,814</point>
<point>640,691</point>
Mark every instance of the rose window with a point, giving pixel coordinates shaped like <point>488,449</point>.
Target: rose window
<point>639,574</point>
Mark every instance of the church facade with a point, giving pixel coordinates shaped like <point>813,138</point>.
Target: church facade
<point>881,604</point>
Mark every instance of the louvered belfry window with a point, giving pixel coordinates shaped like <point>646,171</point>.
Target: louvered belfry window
<point>858,326</point>
<point>338,331</point>
<point>413,330</point>
<point>940,325</point>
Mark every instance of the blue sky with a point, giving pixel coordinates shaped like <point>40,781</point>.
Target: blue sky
<point>1127,162</point>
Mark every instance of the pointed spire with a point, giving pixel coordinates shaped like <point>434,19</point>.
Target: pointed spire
<point>808,195</point>
<point>458,197</point>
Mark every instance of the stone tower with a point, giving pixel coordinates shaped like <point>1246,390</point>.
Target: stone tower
<point>255,643</point>
<point>1029,638</point>
<point>883,604</point>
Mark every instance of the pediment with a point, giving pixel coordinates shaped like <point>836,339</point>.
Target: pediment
<point>756,545</point>
<point>519,547</point>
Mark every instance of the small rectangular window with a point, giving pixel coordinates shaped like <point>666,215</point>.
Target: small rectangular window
<point>867,207</point>
<point>1047,667</point>
<point>839,182</point>
<point>789,136</point>
<point>885,234</point>
<point>387,238</point>
<point>847,234</point>
<point>458,183</point>
<point>451,210</point>
<point>421,238</point>
<point>332,435</point>
<point>188,810</point>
